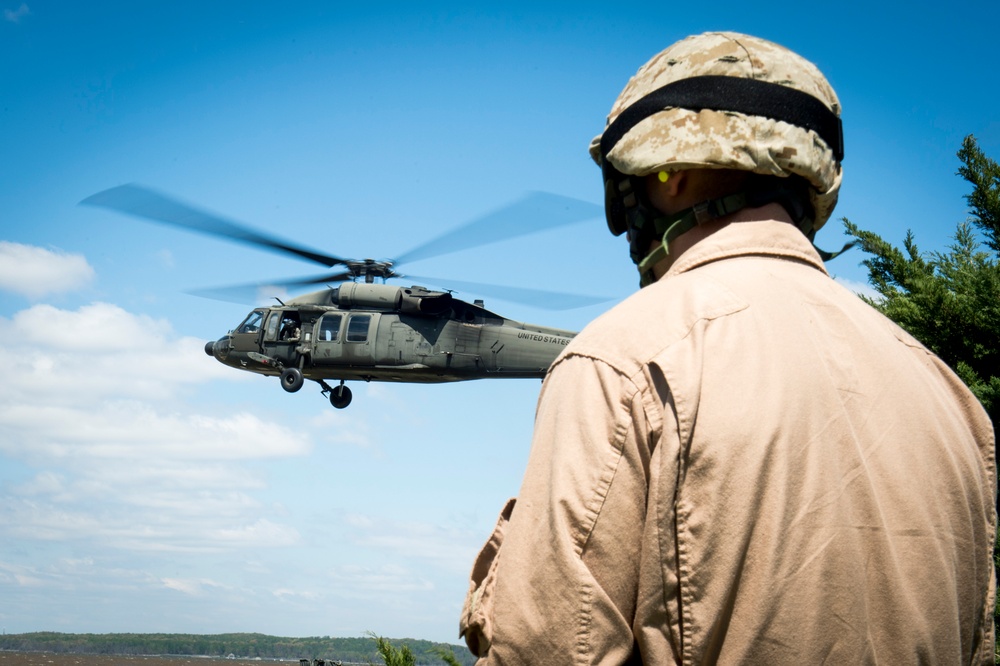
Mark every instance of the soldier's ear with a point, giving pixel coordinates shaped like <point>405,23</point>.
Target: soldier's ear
<point>676,183</point>
<point>666,184</point>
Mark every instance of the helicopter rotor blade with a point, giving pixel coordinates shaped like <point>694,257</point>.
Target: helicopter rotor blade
<point>535,212</point>
<point>256,291</point>
<point>549,300</point>
<point>246,294</point>
<point>261,291</point>
<point>139,201</point>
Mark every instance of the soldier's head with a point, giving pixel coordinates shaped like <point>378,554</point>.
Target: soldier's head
<point>762,121</point>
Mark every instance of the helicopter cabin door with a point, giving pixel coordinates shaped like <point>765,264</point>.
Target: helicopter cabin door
<point>282,335</point>
<point>346,339</point>
<point>359,338</point>
<point>328,339</point>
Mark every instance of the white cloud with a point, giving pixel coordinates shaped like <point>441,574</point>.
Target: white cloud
<point>261,531</point>
<point>268,293</point>
<point>107,517</point>
<point>162,499</point>
<point>94,327</point>
<point>34,271</point>
<point>193,587</point>
<point>338,427</point>
<point>73,575</point>
<point>862,289</point>
<point>131,430</point>
<point>45,483</point>
<point>166,258</point>
<point>361,582</point>
<point>15,15</point>
<point>309,595</point>
<point>60,357</point>
<point>92,405</point>
<point>451,549</point>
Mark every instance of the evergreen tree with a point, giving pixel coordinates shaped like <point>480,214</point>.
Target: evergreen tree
<point>950,301</point>
<point>391,655</point>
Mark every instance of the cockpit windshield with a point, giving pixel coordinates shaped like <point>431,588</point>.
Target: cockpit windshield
<point>252,323</point>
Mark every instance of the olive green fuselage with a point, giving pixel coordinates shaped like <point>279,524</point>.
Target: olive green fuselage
<point>387,333</point>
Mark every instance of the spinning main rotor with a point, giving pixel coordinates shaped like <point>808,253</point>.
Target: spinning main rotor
<point>537,211</point>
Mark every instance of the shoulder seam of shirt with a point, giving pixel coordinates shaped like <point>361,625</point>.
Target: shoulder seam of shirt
<point>618,365</point>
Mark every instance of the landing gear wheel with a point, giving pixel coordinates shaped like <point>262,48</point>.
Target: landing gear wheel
<point>292,379</point>
<point>340,397</point>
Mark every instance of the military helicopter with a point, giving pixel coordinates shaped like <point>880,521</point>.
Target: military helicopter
<point>366,329</point>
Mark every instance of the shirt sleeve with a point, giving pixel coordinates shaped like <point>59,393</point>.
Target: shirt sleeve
<point>565,578</point>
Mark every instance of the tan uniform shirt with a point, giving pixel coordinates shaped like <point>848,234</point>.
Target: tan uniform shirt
<point>744,463</point>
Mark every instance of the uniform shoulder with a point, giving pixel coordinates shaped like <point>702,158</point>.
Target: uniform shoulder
<point>634,331</point>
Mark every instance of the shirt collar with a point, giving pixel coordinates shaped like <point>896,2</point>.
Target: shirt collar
<point>740,239</point>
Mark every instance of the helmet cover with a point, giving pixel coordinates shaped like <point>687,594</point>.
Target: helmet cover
<point>675,139</point>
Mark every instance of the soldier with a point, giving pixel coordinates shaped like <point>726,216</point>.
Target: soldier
<point>743,462</point>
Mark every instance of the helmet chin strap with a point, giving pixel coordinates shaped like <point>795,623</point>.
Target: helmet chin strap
<point>668,228</point>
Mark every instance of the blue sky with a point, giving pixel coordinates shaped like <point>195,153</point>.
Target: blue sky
<point>145,487</point>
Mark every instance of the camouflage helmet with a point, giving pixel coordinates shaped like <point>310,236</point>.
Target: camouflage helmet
<point>677,138</point>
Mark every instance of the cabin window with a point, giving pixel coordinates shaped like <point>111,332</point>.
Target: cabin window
<point>272,327</point>
<point>329,328</point>
<point>252,323</point>
<point>357,328</point>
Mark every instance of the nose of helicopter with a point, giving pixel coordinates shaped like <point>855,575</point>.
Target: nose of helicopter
<point>220,349</point>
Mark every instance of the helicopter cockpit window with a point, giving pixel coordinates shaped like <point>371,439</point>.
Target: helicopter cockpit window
<point>329,328</point>
<point>252,323</point>
<point>357,328</point>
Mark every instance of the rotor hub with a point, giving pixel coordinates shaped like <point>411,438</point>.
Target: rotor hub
<point>370,269</point>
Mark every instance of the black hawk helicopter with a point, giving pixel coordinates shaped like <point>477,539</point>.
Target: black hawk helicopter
<point>374,331</point>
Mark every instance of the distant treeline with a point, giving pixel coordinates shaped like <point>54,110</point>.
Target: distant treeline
<point>358,650</point>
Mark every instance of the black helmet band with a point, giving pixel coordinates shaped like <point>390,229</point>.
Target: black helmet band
<point>750,97</point>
